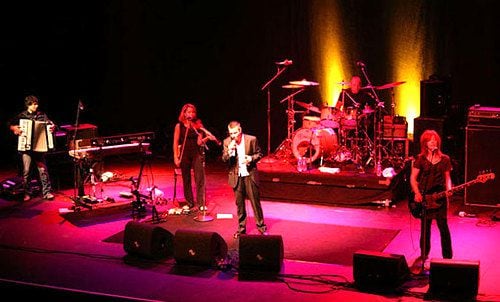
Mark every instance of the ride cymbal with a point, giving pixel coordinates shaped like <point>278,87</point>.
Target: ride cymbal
<point>292,86</point>
<point>304,82</point>
<point>389,85</point>
<point>307,106</point>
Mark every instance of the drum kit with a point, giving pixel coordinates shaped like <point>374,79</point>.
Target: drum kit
<point>333,136</point>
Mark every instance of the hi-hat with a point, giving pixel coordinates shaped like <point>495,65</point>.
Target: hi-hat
<point>389,85</point>
<point>304,82</point>
<point>292,86</point>
<point>309,106</point>
<point>344,83</point>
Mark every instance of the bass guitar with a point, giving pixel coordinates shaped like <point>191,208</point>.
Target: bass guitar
<point>437,199</point>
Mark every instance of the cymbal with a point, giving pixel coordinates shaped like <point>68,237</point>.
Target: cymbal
<point>344,83</point>
<point>309,106</point>
<point>369,87</point>
<point>304,82</point>
<point>389,85</point>
<point>292,86</point>
<point>368,111</point>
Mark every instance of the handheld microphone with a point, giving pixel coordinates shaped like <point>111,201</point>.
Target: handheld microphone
<point>285,62</point>
<point>360,64</point>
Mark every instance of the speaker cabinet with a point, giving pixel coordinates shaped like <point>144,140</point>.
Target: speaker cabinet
<point>374,271</point>
<point>261,253</point>
<point>434,98</point>
<point>481,154</point>
<point>147,240</point>
<point>454,280</point>
<point>199,248</point>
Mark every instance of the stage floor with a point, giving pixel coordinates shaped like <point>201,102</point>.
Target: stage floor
<point>68,256</point>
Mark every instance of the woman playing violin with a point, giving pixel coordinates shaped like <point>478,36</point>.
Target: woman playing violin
<point>189,154</point>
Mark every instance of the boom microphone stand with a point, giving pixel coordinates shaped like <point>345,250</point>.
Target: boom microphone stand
<point>281,67</point>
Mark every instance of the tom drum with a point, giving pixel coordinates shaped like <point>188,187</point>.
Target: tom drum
<point>309,122</point>
<point>329,117</point>
<point>349,118</point>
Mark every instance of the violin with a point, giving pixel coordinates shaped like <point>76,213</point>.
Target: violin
<point>197,124</point>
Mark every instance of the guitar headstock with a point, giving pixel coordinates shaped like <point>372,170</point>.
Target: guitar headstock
<point>484,177</point>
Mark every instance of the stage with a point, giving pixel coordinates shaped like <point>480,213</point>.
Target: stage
<point>343,185</point>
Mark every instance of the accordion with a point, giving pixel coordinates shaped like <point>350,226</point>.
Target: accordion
<point>36,136</point>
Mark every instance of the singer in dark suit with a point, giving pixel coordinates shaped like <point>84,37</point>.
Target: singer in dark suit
<point>242,152</point>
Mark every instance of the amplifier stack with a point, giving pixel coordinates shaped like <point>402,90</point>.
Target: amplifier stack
<point>482,143</point>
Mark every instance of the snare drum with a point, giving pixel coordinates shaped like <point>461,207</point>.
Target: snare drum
<point>310,122</point>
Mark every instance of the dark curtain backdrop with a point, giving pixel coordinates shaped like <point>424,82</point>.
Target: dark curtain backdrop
<point>135,63</point>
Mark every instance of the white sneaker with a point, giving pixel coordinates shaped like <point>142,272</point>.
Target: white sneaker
<point>203,208</point>
<point>185,208</point>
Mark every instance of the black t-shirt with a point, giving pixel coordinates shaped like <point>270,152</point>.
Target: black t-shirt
<point>362,98</point>
<point>431,177</point>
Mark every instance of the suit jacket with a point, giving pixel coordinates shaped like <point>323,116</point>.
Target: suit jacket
<point>252,149</point>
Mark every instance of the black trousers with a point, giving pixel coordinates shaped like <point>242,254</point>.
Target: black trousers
<point>248,188</point>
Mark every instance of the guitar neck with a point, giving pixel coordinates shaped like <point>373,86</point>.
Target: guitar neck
<point>455,189</point>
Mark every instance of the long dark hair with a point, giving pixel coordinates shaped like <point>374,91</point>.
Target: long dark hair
<point>427,136</point>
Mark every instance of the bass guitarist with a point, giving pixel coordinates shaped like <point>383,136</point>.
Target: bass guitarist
<point>431,173</point>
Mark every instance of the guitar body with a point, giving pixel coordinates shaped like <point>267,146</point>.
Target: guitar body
<point>435,199</point>
<point>432,200</point>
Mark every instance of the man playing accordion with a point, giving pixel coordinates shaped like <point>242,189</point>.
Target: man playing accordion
<point>35,138</point>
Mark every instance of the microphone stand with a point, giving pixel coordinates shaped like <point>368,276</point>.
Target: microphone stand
<point>77,172</point>
<point>279,71</point>
<point>202,216</point>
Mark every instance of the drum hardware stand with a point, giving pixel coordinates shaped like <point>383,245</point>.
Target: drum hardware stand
<point>377,130</point>
<point>279,71</point>
<point>286,145</point>
<point>291,112</point>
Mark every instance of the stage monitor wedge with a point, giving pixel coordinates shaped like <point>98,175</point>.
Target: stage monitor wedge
<point>147,240</point>
<point>260,257</point>
<point>376,271</point>
<point>199,248</point>
<point>453,280</point>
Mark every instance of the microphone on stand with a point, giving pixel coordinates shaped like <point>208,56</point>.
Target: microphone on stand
<point>360,64</point>
<point>80,105</point>
<point>284,63</point>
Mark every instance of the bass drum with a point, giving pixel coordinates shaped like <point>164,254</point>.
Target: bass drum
<point>311,143</point>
